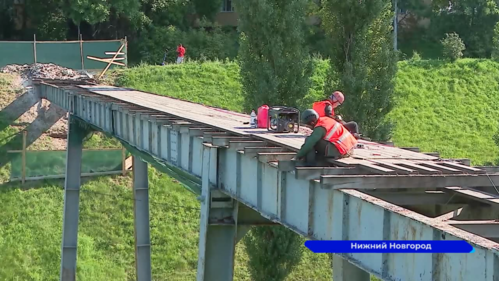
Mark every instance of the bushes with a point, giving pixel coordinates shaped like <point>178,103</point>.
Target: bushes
<point>453,46</point>
<point>207,43</point>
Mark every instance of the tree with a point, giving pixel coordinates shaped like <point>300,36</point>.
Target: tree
<point>207,8</point>
<point>473,20</point>
<point>275,70</point>
<point>273,251</point>
<point>416,8</point>
<point>495,43</point>
<point>275,64</point>
<point>364,60</point>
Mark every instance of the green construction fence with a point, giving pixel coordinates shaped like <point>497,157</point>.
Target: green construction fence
<point>63,53</point>
<point>52,164</point>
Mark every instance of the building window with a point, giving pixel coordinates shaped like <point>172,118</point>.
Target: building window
<point>227,6</point>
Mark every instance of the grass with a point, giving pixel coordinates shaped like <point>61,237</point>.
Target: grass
<point>213,84</point>
<point>30,236</point>
<point>448,107</point>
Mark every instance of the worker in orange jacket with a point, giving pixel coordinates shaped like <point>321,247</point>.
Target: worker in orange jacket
<point>327,106</point>
<point>329,139</point>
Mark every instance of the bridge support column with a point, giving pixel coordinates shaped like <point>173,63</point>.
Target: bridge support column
<point>71,200</point>
<point>141,220</point>
<point>345,271</point>
<point>223,223</point>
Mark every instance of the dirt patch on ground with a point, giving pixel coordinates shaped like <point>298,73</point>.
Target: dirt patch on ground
<point>21,77</point>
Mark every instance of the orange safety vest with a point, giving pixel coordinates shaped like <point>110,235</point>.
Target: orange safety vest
<point>337,134</point>
<point>320,107</point>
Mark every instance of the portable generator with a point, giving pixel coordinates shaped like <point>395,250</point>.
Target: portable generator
<point>283,119</point>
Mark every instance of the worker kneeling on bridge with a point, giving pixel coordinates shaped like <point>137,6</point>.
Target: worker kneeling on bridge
<point>329,139</point>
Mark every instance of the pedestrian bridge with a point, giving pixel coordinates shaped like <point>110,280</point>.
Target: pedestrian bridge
<point>244,178</point>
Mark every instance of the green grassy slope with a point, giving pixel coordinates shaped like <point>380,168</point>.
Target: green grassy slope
<point>213,84</point>
<point>444,107</point>
<point>31,226</point>
<point>449,108</point>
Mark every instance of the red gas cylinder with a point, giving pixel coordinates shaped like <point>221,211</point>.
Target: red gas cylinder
<point>262,116</point>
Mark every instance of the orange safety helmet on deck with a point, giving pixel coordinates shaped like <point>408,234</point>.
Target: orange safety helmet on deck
<point>337,134</point>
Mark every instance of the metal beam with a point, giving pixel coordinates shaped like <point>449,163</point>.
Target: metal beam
<point>409,181</point>
<point>310,173</point>
<point>414,149</point>
<point>489,169</point>
<point>71,200</point>
<point>225,140</point>
<point>241,145</point>
<point>462,167</point>
<point>208,136</point>
<point>436,166</point>
<point>277,156</point>
<point>141,220</point>
<point>488,229</point>
<point>198,132</point>
<point>418,198</point>
<point>253,151</point>
<point>180,126</point>
<point>219,229</point>
<point>474,194</point>
<point>205,211</point>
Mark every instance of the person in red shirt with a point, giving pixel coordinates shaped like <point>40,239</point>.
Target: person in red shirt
<point>181,53</point>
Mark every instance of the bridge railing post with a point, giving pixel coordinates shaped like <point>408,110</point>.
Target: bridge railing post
<point>71,201</point>
<point>217,238</point>
<point>141,220</point>
<point>224,222</point>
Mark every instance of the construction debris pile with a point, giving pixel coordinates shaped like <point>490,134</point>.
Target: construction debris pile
<point>46,71</point>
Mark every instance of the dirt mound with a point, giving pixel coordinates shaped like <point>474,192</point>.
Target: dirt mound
<point>45,71</point>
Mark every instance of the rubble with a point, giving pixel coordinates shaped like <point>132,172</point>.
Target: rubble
<point>45,71</point>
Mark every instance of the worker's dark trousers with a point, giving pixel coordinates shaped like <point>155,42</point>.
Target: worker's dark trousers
<point>352,127</point>
<point>319,153</point>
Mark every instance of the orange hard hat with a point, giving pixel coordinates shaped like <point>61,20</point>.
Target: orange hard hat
<point>337,96</point>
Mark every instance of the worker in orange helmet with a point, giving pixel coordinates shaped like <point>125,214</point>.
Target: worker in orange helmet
<point>329,139</point>
<point>327,106</point>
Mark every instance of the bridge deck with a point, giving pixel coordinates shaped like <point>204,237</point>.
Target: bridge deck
<point>400,194</point>
<point>234,122</point>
